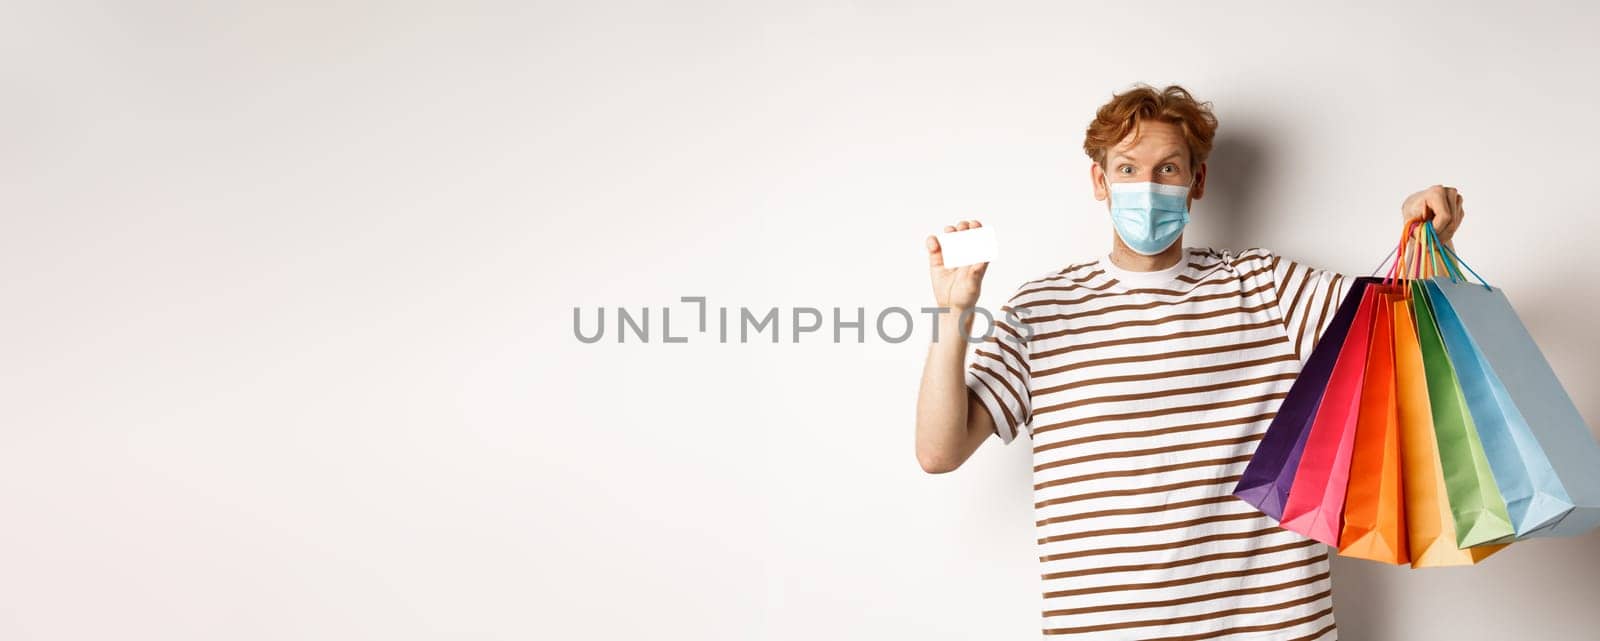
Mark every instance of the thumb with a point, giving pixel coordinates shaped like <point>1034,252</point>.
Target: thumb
<point>935,253</point>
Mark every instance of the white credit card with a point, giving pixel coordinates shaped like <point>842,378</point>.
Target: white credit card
<point>968,247</point>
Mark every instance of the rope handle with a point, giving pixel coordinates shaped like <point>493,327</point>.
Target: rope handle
<point>1420,254</point>
<point>1452,260</point>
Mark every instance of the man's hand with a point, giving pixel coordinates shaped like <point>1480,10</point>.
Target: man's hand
<point>1439,203</point>
<point>957,287</point>
<point>951,421</point>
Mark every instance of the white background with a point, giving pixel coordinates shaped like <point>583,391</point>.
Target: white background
<point>288,293</point>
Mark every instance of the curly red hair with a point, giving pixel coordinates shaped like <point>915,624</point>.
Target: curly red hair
<point>1123,114</point>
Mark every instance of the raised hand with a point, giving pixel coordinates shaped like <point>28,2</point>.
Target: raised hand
<point>1438,203</point>
<point>956,287</point>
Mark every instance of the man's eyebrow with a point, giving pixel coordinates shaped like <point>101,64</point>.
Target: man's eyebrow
<point>1175,153</point>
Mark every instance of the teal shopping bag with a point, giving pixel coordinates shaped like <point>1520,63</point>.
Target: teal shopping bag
<point>1532,387</point>
<point>1534,495</point>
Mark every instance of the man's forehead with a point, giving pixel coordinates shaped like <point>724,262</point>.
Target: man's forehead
<point>1156,151</point>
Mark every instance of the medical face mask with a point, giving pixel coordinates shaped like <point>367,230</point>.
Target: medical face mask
<point>1149,216</point>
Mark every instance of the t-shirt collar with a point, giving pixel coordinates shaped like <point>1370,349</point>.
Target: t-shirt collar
<point>1145,278</point>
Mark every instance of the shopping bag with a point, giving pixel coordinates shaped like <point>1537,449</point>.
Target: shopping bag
<point>1475,503</point>
<point>1374,512</point>
<point>1533,493</point>
<point>1316,498</point>
<point>1510,351</point>
<point>1430,530</point>
<point>1267,478</point>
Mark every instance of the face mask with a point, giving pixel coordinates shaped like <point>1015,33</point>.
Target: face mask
<point>1149,216</point>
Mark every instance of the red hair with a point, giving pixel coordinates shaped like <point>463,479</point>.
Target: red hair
<point>1123,114</point>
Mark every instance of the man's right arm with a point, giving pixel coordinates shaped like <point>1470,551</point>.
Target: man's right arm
<point>951,422</point>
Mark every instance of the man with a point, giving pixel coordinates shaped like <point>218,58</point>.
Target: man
<point>1144,379</point>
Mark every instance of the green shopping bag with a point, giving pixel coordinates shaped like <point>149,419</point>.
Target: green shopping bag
<point>1475,501</point>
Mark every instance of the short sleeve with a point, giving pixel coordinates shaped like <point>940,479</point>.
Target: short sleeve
<point>1306,299</point>
<point>997,374</point>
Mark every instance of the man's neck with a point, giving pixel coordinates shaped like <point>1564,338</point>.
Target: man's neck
<point>1133,261</point>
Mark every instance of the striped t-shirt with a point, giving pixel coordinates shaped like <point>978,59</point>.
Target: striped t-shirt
<point>1144,394</point>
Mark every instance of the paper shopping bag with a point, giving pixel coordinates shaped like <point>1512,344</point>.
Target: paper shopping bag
<point>1531,384</point>
<point>1430,530</point>
<point>1475,502</point>
<point>1316,499</point>
<point>1267,478</point>
<point>1374,513</point>
<point>1534,495</point>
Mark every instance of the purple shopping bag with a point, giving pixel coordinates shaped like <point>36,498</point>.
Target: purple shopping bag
<point>1268,476</point>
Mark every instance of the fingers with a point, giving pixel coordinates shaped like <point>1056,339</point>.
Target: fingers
<point>1455,221</point>
<point>1433,202</point>
<point>1423,204</point>
<point>1440,204</point>
<point>1446,217</point>
<point>936,253</point>
<point>1446,205</point>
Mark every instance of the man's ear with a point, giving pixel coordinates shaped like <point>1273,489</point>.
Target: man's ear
<point>1199,188</point>
<point>1096,176</point>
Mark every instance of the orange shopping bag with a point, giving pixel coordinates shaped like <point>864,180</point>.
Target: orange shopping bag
<point>1374,511</point>
<point>1430,530</point>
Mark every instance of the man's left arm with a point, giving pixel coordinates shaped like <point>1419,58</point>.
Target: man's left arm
<point>1316,293</point>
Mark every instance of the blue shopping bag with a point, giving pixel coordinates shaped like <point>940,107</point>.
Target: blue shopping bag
<point>1534,495</point>
<point>1538,400</point>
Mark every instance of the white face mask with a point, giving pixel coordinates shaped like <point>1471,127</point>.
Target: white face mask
<point>1149,216</point>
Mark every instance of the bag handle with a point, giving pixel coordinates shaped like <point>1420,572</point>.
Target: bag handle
<point>1415,255</point>
<point>1401,253</point>
<point>1451,260</point>
<point>1425,255</point>
<point>1436,256</point>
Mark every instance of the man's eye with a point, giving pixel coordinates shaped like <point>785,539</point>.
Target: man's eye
<point>1169,168</point>
<point>1125,169</point>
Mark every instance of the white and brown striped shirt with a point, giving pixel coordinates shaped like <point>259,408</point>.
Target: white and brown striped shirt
<point>1144,394</point>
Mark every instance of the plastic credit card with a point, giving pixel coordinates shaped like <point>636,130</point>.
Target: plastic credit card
<point>968,247</point>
